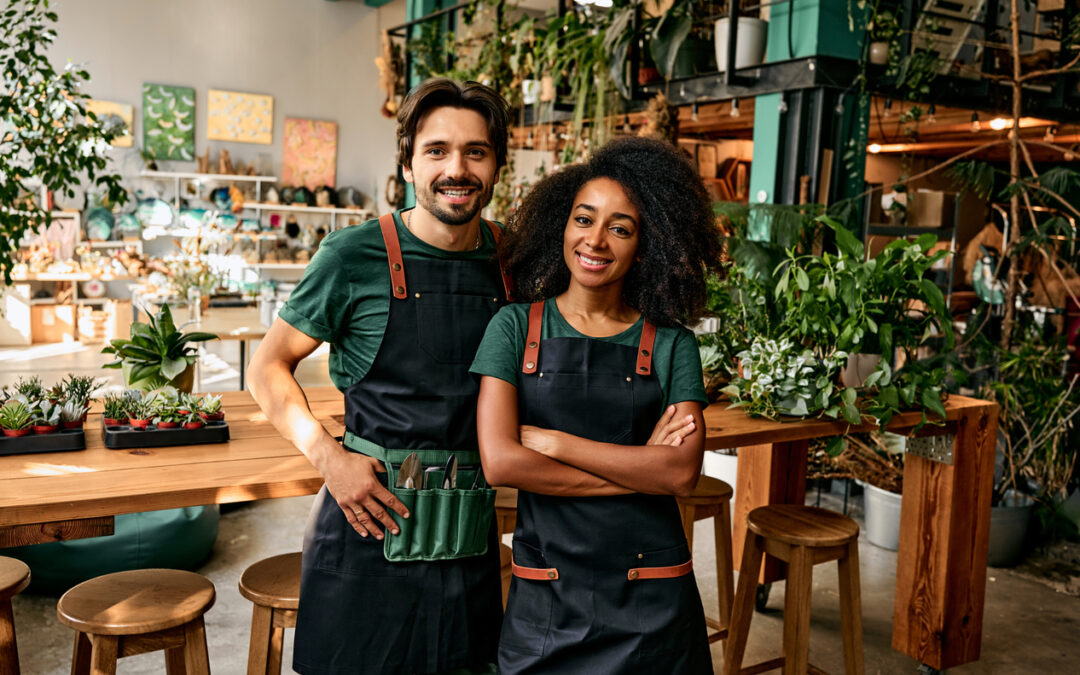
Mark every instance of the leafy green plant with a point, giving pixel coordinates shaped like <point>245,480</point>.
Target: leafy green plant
<point>211,404</point>
<point>30,387</point>
<point>780,377</point>
<point>47,137</point>
<point>16,414</point>
<point>80,388</point>
<point>115,406</point>
<point>157,353</point>
<point>141,408</point>
<point>192,418</point>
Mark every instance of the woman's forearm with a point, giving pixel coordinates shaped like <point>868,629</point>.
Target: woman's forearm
<point>513,465</point>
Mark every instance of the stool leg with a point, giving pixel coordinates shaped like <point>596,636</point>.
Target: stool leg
<point>688,513</point>
<point>259,650</point>
<point>195,655</point>
<point>175,661</point>
<point>277,643</point>
<point>797,610</point>
<point>725,575</point>
<point>104,654</point>
<point>9,650</point>
<point>744,604</point>
<point>851,610</point>
<point>80,658</point>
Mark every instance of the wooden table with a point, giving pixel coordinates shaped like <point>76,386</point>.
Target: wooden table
<point>941,565</point>
<point>945,516</point>
<point>227,323</point>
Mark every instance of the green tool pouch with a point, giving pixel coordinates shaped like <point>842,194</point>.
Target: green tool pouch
<point>442,524</point>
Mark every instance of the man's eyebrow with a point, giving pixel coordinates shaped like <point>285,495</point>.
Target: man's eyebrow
<point>427,144</point>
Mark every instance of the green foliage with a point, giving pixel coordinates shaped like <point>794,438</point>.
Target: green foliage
<point>16,413</point>
<point>80,389</point>
<point>157,353</point>
<point>141,407</point>
<point>780,377</point>
<point>211,404</point>
<point>115,406</point>
<point>46,135</point>
<point>975,176</point>
<point>30,387</point>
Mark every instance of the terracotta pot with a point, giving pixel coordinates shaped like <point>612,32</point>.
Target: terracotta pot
<point>193,425</point>
<point>183,412</point>
<point>74,425</point>
<point>15,433</point>
<point>139,424</point>
<point>115,422</point>
<point>46,428</point>
<point>213,417</point>
<point>167,425</point>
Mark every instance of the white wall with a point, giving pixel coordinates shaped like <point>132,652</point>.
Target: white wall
<point>315,57</point>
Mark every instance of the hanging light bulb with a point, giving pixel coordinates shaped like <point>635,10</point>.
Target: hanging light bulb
<point>874,148</point>
<point>975,125</point>
<point>626,127</point>
<point>998,123</point>
<point>693,112</point>
<point>931,114</point>
<point>1050,133</point>
<point>734,108</point>
<point>530,141</point>
<point>782,107</point>
<point>888,108</point>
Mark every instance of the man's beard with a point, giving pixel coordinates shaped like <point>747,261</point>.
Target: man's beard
<point>454,214</point>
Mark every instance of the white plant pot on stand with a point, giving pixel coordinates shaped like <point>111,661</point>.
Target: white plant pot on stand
<point>751,40</point>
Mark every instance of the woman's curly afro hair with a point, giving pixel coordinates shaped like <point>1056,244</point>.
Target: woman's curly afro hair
<point>678,234</point>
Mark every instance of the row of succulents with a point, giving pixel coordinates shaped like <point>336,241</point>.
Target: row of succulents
<point>163,409</point>
<point>31,408</point>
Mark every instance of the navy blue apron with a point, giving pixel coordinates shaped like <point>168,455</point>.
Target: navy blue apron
<point>601,584</point>
<point>358,612</point>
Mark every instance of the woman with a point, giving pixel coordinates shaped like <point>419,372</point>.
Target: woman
<point>612,253</point>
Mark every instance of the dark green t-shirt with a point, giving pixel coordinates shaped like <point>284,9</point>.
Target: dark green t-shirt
<point>676,362</point>
<point>344,295</point>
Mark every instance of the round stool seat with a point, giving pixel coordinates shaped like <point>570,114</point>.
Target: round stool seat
<point>709,491</point>
<point>273,582</point>
<point>14,577</point>
<point>136,602</point>
<point>802,525</point>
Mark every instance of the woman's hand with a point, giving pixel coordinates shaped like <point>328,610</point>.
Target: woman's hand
<point>669,430</point>
<point>544,441</point>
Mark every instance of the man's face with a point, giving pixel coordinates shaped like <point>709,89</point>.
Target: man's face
<point>453,164</point>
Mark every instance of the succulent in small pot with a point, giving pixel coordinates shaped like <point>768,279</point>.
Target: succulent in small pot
<point>168,420</point>
<point>115,412</point>
<point>193,421</point>
<point>30,388</point>
<point>211,409</point>
<point>73,413</point>
<point>16,416</point>
<point>140,410</point>
<point>55,393</point>
<point>188,404</point>
<point>46,417</point>
<point>81,389</point>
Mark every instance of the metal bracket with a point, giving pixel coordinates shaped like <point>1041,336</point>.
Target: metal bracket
<point>933,448</point>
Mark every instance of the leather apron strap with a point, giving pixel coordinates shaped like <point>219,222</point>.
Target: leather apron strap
<point>531,359</point>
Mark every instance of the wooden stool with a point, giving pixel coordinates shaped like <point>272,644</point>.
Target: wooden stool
<point>506,556</point>
<point>712,499</point>
<point>14,576</point>
<point>803,536</point>
<point>273,585</point>
<point>138,611</point>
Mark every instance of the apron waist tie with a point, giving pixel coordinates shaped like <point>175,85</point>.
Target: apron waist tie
<point>534,573</point>
<point>661,572</point>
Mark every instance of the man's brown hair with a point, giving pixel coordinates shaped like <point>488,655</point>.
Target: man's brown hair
<point>441,92</point>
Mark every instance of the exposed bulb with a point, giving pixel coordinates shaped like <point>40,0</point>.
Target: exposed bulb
<point>735,108</point>
<point>975,125</point>
<point>888,108</point>
<point>931,114</point>
<point>693,112</point>
<point>1050,133</point>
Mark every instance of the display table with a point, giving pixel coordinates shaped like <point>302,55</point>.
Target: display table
<point>945,516</point>
<point>941,565</point>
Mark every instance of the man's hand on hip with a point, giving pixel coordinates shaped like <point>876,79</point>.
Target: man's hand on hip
<point>351,479</point>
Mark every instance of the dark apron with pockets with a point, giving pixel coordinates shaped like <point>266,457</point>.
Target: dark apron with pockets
<point>601,584</point>
<point>358,612</point>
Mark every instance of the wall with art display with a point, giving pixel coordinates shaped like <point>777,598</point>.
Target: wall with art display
<point>300,75</point>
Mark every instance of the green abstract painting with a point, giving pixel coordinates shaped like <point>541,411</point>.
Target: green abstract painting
<point>169,122</point>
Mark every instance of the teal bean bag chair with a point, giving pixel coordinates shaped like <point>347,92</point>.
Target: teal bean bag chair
<point>173,538</point>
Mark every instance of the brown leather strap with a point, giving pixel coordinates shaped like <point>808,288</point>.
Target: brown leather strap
<point>393,253</point>
<point>534,573</point>
<point>508,281</point>
<point>645,348</point>
<point>532,338</point>
<point>660,572</point>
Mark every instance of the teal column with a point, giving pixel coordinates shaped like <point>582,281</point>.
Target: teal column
<point>766,164</point>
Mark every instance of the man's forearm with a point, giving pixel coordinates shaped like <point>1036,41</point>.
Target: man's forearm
<point>282,400</point>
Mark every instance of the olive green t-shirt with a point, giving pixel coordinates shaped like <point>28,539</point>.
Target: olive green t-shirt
<point>344,295</point>
<point>676,362</point>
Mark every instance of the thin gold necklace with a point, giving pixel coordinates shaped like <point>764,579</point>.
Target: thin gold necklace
<point>476,244</point>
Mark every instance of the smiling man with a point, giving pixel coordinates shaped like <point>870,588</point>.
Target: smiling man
<point>403,302</point>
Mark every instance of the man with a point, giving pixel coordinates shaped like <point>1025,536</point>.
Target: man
<point>403,302</point>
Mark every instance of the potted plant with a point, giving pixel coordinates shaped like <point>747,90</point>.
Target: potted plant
<point>140,411</point>
<point>157,354</point>
<point>884,32</point>
<point>16,416</point>
<point>193,421</point>
<point>210,409</point>
<point>80,389</point>
<point>73,413</point>
<point>30,388</point>
<point>874,460</point>
<point>115,410</point>
<point>46,417</point>
<point>168,419</point>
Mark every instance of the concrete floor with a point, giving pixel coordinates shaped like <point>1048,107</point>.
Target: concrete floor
<point>1028,628</point>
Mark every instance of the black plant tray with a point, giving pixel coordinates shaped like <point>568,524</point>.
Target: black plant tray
<point>126,436</point>
<point>65,439</point>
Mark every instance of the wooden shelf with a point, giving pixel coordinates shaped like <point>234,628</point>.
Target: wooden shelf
<point>263,206</point>
<point>184,175</point>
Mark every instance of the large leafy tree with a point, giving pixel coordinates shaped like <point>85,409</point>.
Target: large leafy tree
<point>47,138</point>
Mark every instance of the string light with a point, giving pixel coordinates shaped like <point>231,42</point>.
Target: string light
<point>626,127</point>
<point>930,114</point>
<point>998,123</point>
<point>693,112</point>
<point>1050,133</point>
<point>874,148</point>
<point>734,107</point>
<point>975,125</point>
<point>888,108</point>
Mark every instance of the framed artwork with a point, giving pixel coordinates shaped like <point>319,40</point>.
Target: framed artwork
<point>121,112</point>
<point>169,122</point>
<point>235,116</point>
<point>310,155</point>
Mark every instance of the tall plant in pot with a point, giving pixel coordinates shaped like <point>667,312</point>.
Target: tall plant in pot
<point>157,354</point>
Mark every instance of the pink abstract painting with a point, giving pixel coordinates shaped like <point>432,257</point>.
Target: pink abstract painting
<point>310,156</point>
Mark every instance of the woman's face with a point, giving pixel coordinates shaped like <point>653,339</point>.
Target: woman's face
<point>601,235</point>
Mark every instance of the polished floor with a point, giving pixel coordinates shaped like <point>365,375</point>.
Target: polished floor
<point>1028,628</point>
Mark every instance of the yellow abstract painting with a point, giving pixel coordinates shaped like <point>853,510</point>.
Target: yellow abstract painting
<point>125,113</point>
<point>235,116</point>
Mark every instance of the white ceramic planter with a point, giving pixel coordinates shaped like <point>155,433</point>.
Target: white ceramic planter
<point>879,53</point>
<point>752,38</point>
<point>882,517</point>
